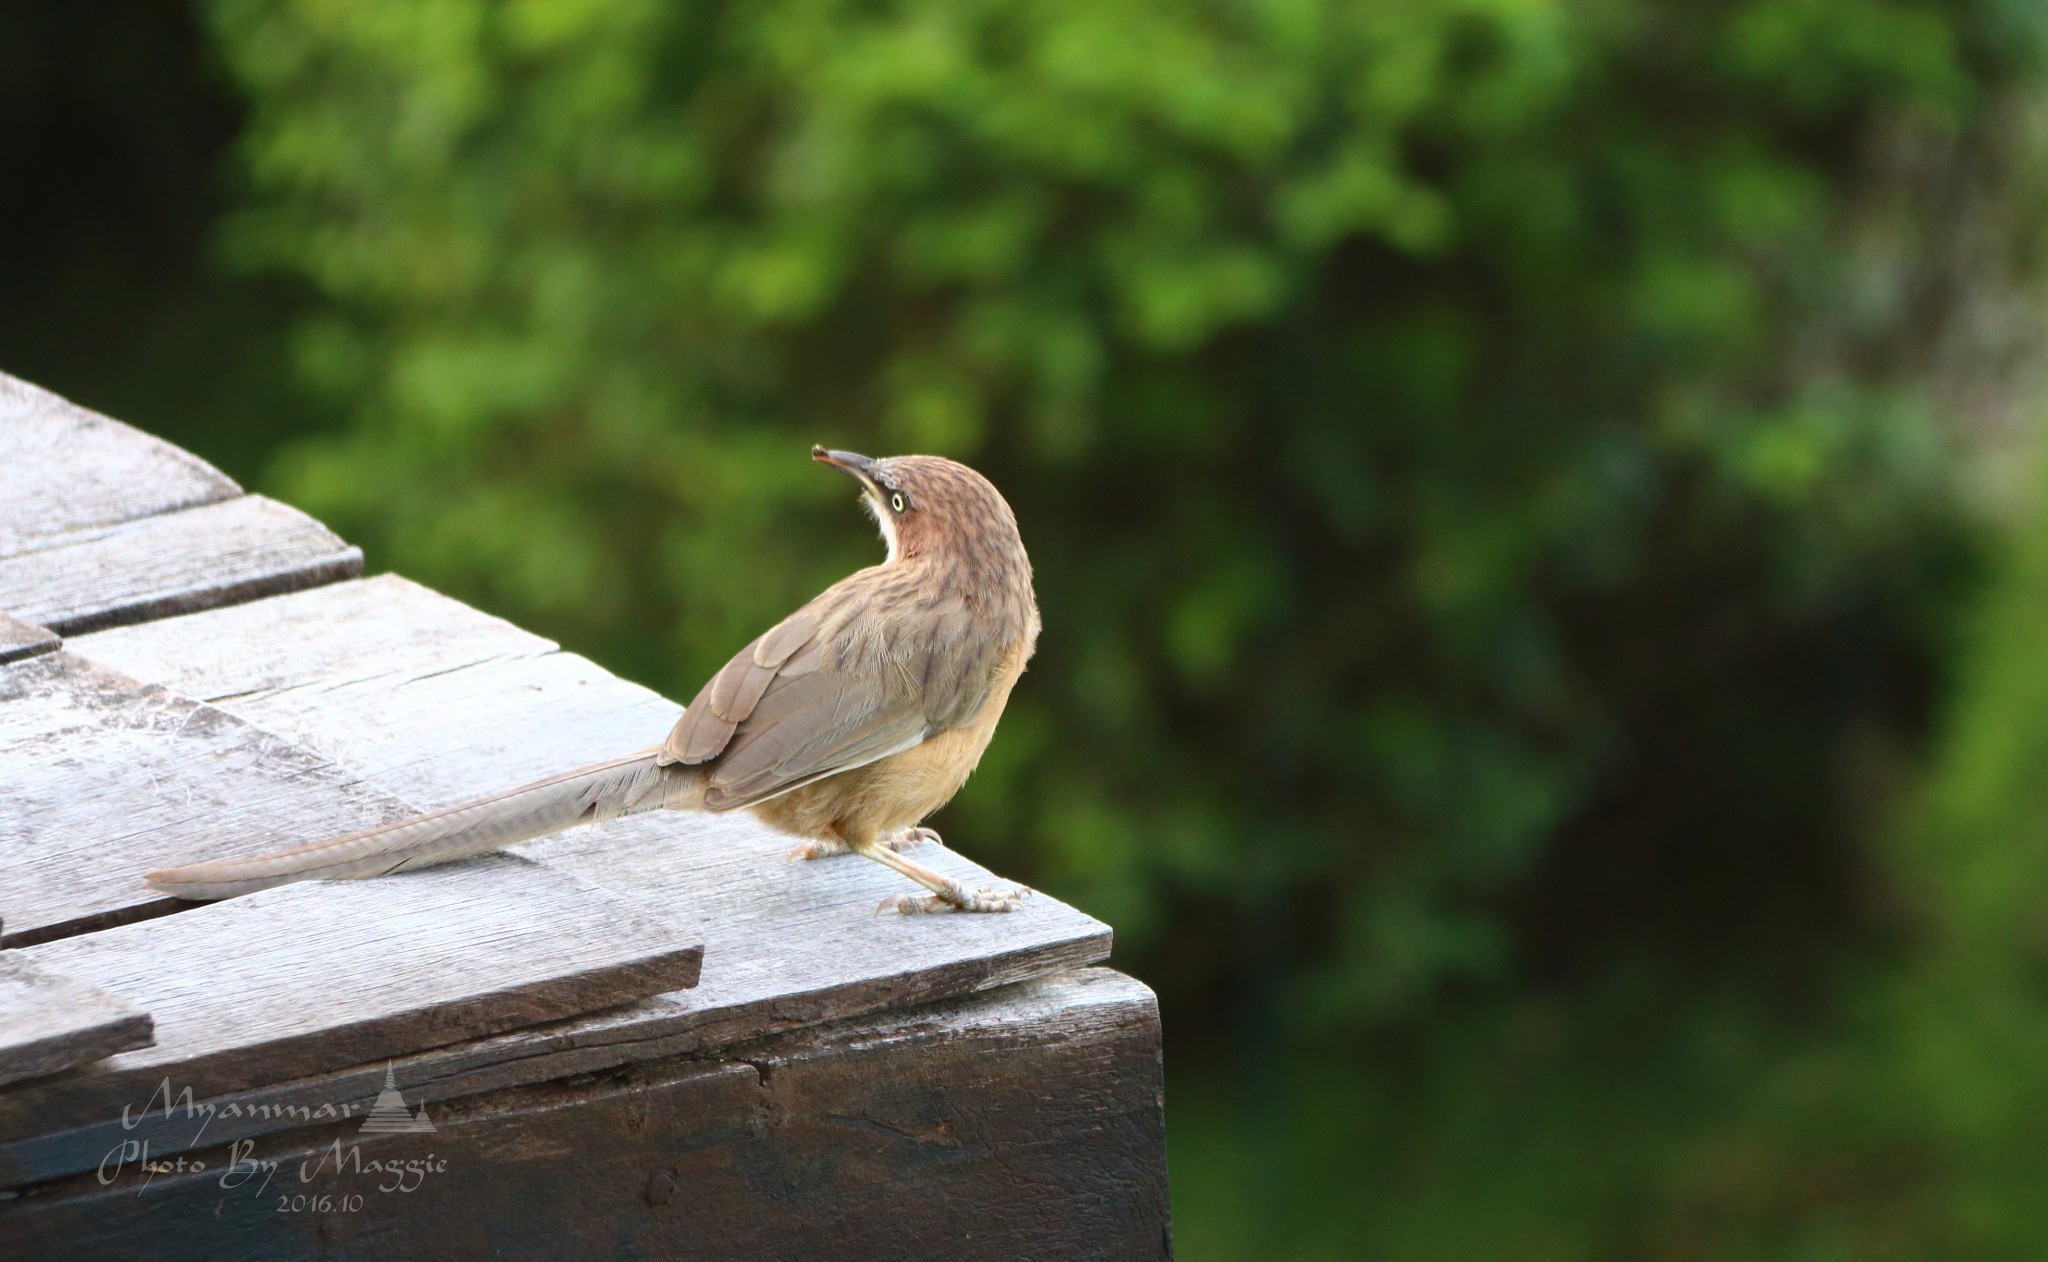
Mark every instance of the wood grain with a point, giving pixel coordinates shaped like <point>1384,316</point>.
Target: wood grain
<point>429,698</point>
<point>50,1020</point>
<point>65,469</point>
<point>20,640</point>
<point>798,943</point>
<point>172,563</point>
<point>330,637</point>
<point>1026,1123</point>
<point>311,977</point>
<point>102,778</point>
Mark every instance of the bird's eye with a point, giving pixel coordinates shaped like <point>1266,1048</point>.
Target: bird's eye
<point>896,502</point>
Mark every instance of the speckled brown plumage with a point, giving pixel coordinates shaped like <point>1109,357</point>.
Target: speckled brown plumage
<point>846,724</point>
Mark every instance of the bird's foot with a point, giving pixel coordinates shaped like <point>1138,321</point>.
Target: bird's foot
<point>828,847</point>
<point>957,897</point>
<point>820,848</point>
<point>911,838</point>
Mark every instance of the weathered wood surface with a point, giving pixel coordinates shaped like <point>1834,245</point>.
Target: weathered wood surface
<point>172,563</point>
<point>103,778</point>
<point>316,641</point>
<point>50,1020</point>
<point>312,977</point>
<point>101,524</point>
<point>792,989</point>
<point>798,943</point>
<point>423,695</point>
<point>64,469</point>
<point>787,944</point>
<point>1021,1124</point>
<point>292,717</point>
<point>19,639</point>
<point>439,703</point>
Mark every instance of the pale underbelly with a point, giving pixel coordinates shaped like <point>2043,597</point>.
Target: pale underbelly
<point>888,796</point>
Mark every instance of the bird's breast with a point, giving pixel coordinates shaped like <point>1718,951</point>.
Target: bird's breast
<point>911,785</point>
<point>901,790</point>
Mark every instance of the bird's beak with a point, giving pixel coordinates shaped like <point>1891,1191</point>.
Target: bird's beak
<point>847,461</point>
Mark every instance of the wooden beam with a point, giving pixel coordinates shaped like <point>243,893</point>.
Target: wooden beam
<point>439,704</point>
<point>337,636</point>
<point>1026,1123</point>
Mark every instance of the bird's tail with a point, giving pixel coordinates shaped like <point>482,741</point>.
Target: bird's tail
<point>623,786</point>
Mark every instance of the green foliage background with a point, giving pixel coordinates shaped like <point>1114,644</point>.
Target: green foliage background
<point>1367,376</point>
<point>1503,476</point>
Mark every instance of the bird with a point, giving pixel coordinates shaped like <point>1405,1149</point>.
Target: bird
<point>846,724</point>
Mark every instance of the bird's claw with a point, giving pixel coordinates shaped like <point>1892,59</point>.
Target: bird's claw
<point>958,898</point>
<point>829,847</point>
<point>821,848</point>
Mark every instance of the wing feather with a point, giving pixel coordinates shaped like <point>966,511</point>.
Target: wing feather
<point>725,701</point>
<point>816,696</point>
<point>809,727</point>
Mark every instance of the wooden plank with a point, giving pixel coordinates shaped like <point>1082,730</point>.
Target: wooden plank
<point>799,943</point>
<point>102,778</point>
<point>311,977</point>
<point>50,1020</point>
<point>20,640</point>
<point>431,699</point>
<point>1026,1123</point>
<point>63,469</point>
<point>756,986</point>
<point>327,637</point>
<point>174,563</point>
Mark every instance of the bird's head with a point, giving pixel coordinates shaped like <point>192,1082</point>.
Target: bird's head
<point>929,506</point>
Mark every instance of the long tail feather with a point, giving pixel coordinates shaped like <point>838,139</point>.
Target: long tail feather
<point>623,786</point>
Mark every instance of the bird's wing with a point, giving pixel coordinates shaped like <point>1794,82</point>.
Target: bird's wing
<point>725,701</point>
<point>811,726</point>
<point>809,700</point>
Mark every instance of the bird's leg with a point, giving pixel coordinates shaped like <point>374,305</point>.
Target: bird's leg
<point>946,894</point>
<point>832,844</point>
<point>820,848</point>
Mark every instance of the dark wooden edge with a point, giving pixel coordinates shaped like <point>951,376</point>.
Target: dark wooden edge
<point>52,1020</point>
<point>112,918</point>
<point>651,1029</point>
<point>346,563</point>
<point>1024,1123</point>
<point>21,639</point>
<point>53,1055</point>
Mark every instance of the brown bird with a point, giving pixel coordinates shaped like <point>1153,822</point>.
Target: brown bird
<point>846,724</point>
